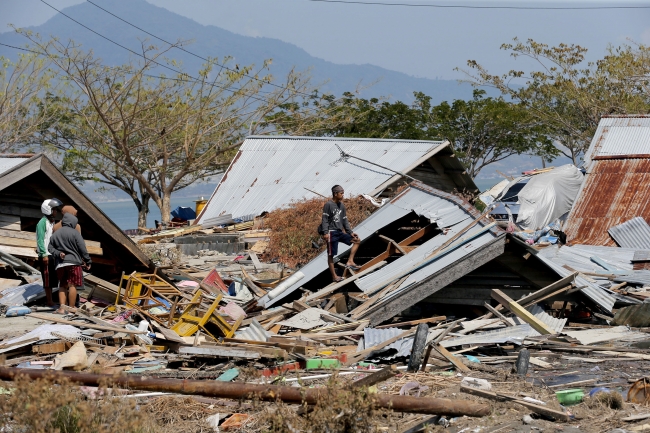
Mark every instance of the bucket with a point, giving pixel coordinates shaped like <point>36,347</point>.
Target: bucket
<point>199,205</point>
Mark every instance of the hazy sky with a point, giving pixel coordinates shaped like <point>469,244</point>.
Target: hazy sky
<point>425,42</point>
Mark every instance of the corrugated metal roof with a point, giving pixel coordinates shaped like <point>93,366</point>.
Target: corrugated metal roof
<point>620,135</point>
<point>9,163</point>
<point>270,172</point>
<point>593,291</point>
<point>634,233</point>
<point>424,200</point>
<point>578,257</point>
<point>373,337</point>
<point>614,191</point>
<point>618,333</point>
<point>254,332</point>
<point>381,217</point>
<point>511,334</point>
<point>640,277</point>
<point>413,259</point>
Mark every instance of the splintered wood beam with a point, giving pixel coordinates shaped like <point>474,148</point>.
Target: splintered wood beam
<point>521,312</point>
<point>393,243</point>
<point>451,358</point>
<point>376,377</point>
<point>417,235</point>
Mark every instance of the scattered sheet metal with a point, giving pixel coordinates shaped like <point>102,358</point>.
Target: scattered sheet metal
<point>43,332</point>
<point>253,332</point>
<point>637,316</point>
<point>511,334</point>
<point>618,333</point>
<point>634,233</point>
<point>373,337</point>
<point>579,257</point>
<point>555,324</point>
<point>641,277</point>
<point>307,319</point>
<point>21,295</point>
<point>602,297</point>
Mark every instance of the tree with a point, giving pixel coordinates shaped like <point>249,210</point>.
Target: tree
<point>22,84</point>
<point>566,95</point>
<point>487,130</point>
<point>482,130</point>
<point>151,135</point>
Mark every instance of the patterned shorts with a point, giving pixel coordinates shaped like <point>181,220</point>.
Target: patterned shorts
<point>70,275</point>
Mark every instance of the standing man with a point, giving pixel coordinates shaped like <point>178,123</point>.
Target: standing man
<point>50,208</point>
<point>335,228</point>
<point>69,248</point>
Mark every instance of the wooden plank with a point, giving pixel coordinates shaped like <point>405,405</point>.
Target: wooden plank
<point>6,283</point>
<point>10,222</point>
<point>19,251</point>
<point>376,377</point>
<point>413,322</point>
<point>451,358</point>
<point>255,260</point>
<point>555,414</point>
<point>43,349</point>
<point>333,287</point>
<point>85,325</point>
<point>18,242</point>
<point>521,312</point>
<point>218,352</point>
<point>32,236</point>
<point>496,312</point>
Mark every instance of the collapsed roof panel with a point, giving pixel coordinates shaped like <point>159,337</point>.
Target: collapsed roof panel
<point>634,233</point>
<point>270,172</point>
<point>446,211</point>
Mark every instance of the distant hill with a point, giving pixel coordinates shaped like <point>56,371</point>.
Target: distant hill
<point>211,41</point>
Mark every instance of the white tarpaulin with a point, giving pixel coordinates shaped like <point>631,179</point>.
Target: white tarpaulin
<point>548,196</point>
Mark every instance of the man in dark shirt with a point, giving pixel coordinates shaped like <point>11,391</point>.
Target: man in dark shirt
<point>335,228</point>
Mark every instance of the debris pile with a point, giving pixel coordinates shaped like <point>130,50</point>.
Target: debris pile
<point>451,320</point>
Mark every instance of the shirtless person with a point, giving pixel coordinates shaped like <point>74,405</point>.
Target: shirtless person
<point>335,228</point>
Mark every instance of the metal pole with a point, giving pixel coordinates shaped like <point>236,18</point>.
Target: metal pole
<point>398,403</point>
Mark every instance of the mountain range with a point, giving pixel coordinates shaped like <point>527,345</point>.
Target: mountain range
<point>215,42</point>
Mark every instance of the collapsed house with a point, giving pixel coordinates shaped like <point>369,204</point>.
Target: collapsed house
<point>25,181</point>
<point>270,172</point>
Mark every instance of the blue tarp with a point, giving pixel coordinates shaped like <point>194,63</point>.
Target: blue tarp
<point>184,213</point>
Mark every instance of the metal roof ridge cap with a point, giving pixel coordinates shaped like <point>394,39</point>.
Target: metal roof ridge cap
<point>302,137</point>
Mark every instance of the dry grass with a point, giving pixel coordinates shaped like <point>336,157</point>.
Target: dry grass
<point>341,409</point>
<point>40,406</point>
<point>294,228</point>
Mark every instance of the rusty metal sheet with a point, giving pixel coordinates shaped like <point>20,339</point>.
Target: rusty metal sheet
<point>614,191</point>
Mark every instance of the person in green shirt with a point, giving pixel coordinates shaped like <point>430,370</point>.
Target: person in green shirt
<point>50,209</point>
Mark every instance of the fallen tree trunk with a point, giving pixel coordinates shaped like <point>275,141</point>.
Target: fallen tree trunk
<point>398,403</point>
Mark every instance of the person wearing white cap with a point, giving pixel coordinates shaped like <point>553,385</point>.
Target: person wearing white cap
<point>50,208</point>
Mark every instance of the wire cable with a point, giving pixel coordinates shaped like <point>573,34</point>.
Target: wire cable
<point>533,8</point>
<point>143,56</point>
<point>189,52</point>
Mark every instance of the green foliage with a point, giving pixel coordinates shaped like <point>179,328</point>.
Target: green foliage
<point>482,130</point>
<point>568,96</point>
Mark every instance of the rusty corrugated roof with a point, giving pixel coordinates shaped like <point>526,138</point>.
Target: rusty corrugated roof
<point>615,191</point>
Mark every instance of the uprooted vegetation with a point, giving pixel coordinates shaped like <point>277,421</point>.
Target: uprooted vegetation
<point>293,229</point>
